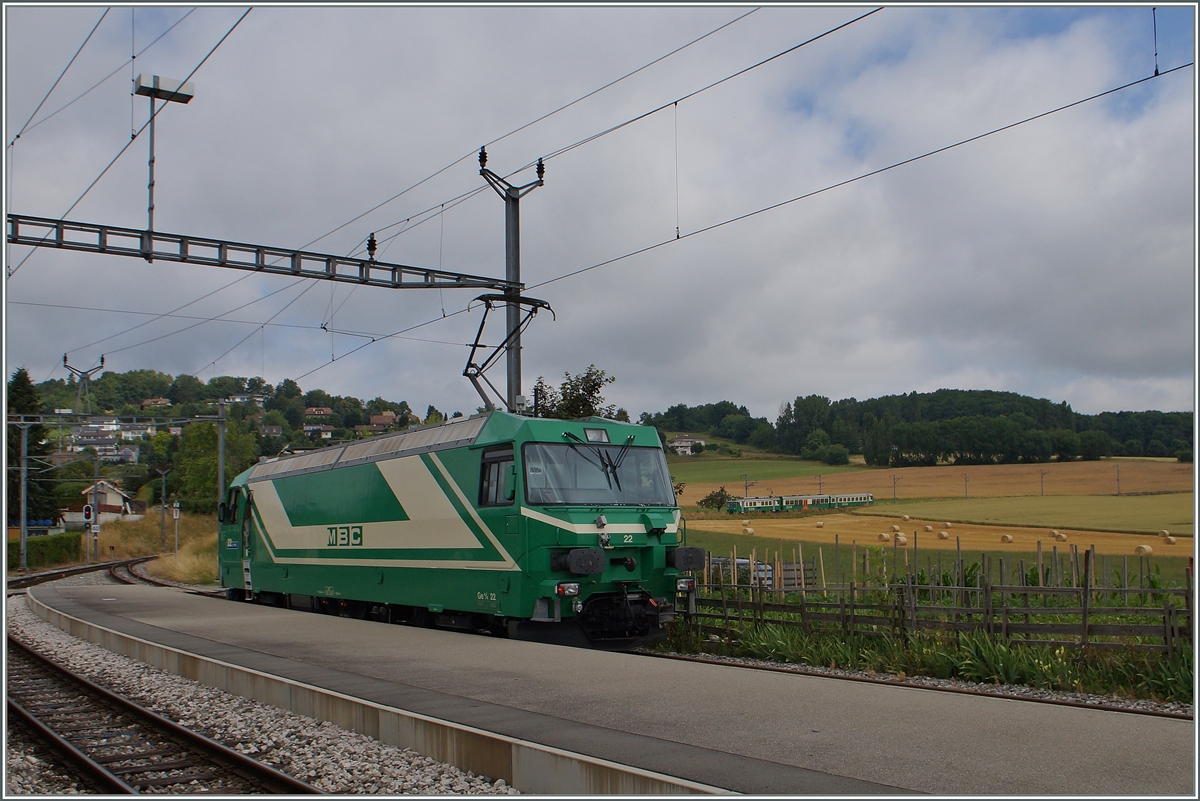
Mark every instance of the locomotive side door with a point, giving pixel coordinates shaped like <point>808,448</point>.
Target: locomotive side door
<point>246,502</point>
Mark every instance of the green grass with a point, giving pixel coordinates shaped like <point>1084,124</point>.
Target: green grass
<point>729,471</point>
<point>1125,513</point>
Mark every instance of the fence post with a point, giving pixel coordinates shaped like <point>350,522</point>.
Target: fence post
<point>1084,597</point>
<point>851,607</point>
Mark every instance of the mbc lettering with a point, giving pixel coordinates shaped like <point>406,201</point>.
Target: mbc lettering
<point>345,536</point>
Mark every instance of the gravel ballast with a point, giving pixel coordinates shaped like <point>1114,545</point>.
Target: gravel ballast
<point>328,757</point>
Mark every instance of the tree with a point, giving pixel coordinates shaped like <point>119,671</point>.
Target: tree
<point>432,415</point>
<point>717,499</point>
<point>1132,447</point>
<point>1156,448</point>
<point>1094,445</point>
<point>185,389</point>
<point>814,443</point>
<point>835,454</point>
<point>697,448</point>
<point>39,497</point>
<point>196,462</point>
<point>1064,443</point>
<point>578,396</point>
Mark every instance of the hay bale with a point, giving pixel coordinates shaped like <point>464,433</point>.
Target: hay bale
<point>885,537</point>
<point>929,528</point>
<point>904,518</point>
<point>947,525</point>
<point>1168,540</point>
<point>895,528</point>
<point>820,524</point>
<point>1060,537</point>
<point>943,535</point>
<point>1053,533</point>
<point>748,531</point>
<point>1164,533</point>
<point>1006,537</point>
<point>901,539</point>
<point>745,522</point>
<point>1143,550</point>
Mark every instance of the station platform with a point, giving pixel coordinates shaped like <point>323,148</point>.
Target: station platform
<point>745,731</point>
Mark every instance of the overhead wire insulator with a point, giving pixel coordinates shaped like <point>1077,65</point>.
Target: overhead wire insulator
<point>482,158</point>
<point>541,169</point>
<point>371,246</point>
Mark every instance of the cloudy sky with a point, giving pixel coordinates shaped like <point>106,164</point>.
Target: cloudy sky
<point>1054,259</point>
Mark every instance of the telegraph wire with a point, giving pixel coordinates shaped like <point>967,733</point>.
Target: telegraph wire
<point>207,320</point>
<point>158,315</point>
<point>60,77</point>
<point>133,138</point>
<point>644,115</point>
<point>472,153</point>
<point>764,209</point>
<point>716,83</point>
<point>286,306</point>
<point>806,195</point>
<point>96,85</point>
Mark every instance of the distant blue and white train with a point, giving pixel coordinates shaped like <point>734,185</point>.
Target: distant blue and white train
<point>797,503</point>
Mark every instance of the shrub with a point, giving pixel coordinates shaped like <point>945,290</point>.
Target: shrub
<point>717,499</point>
<point>54,549</point>
<point>835,455</point>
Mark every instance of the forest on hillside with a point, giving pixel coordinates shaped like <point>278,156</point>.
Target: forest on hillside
<point>959,426</point>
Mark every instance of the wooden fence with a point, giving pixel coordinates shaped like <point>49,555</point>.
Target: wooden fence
<point>741,592</point>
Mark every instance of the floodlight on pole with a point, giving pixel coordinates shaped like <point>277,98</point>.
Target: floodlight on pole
<point>167,90</point>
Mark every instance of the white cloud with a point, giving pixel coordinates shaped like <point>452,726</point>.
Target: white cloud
<point>1054,259</point>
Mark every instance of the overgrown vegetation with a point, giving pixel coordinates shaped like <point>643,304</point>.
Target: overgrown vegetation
<point>973,657</point>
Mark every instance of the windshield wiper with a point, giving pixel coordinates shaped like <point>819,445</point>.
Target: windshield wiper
<point>609,465</point>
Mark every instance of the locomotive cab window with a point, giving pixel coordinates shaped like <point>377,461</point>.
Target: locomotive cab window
<point>496,479</point>
<point>231,507</point>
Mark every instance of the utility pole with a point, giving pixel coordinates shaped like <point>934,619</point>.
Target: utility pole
<point>163,502</point>
<point>746,485</point>
<point>96,508</point>
<point>895,478</point>
<point>85,380</point>
<point>965,480</point>
<point>1118,478</point>
<point>820,485</point>
<point>167,90</point>
<point>220,452</point>
<point>1042,475</point>
<point>24,493</point>
<point>512,265</point>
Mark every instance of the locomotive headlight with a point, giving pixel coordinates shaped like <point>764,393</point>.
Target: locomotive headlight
<point>685,584</point>
<point>567,589</point>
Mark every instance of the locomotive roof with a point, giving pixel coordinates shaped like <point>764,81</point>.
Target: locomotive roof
<point>457,433</point>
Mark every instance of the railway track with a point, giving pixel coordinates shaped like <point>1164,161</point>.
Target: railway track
<point>21,582</point>
<point>129,574</point>
<point>921,685</point>
<point>122,747</point>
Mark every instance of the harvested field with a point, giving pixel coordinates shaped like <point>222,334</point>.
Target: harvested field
<point>1138,514</point>
<point>946,481</point>
<point>865,530</point>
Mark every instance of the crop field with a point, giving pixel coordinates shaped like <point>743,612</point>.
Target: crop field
<point>1147,514</point>
<point>789,538</point>
<point>941,481</point>
<point>864,530</point>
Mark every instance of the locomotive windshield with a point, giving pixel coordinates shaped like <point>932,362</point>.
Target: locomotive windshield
<point>585,473</point>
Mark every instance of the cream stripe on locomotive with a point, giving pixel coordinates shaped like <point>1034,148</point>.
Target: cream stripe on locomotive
<point>433,523</point>
<point>592,528</point>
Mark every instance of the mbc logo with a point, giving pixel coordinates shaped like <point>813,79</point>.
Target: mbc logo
<point>345,536</point>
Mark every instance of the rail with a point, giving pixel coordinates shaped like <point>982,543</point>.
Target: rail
<point>121,746</point>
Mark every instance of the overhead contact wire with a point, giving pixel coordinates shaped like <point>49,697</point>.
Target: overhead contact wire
<point>861,177</point>
<point>103,172</point>
<point>470,154</point>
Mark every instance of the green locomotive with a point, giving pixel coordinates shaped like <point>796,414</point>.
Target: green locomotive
<point>557,530</point>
